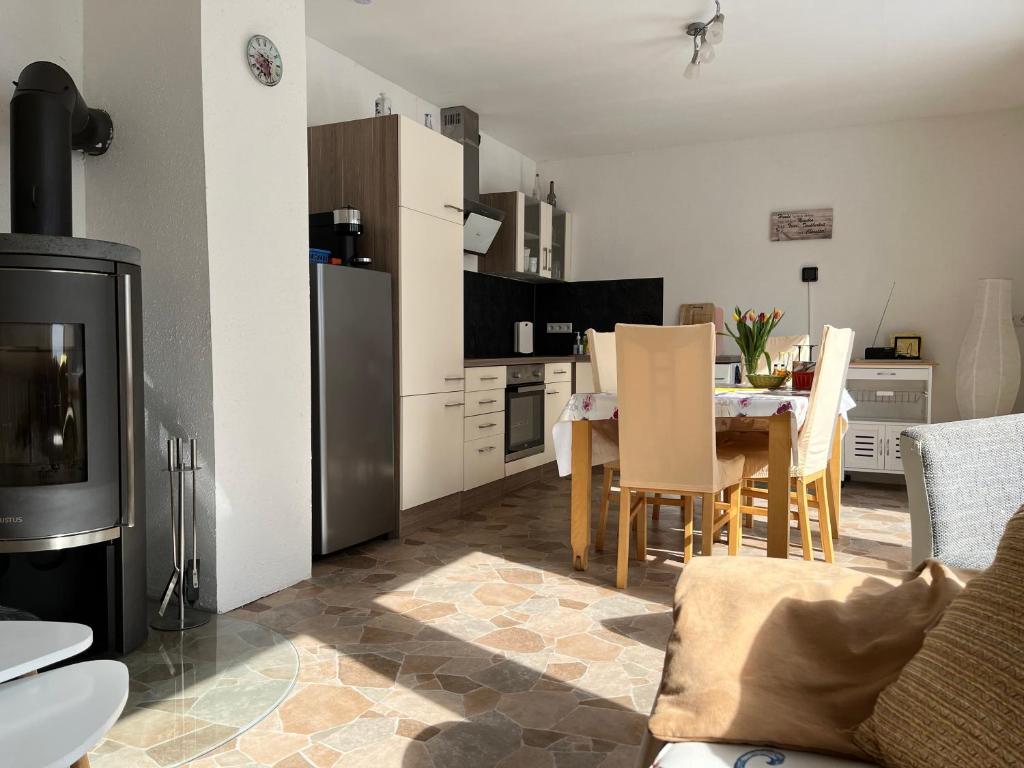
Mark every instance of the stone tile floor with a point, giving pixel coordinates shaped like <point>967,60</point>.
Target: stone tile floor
<point>474,643</point>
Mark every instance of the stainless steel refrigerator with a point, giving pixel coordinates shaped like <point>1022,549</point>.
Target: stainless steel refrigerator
<point>354,488</point>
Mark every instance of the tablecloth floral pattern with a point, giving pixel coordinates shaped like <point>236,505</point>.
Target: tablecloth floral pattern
<point>729,404</point>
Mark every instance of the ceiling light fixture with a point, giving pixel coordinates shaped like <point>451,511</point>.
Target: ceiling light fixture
<point>706,35</point>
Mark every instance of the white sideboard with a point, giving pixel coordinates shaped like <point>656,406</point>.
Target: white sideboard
<point>891,396</point>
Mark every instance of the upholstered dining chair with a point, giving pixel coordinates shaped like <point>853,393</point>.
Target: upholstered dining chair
<point>667,436</point>
<point>814,445</point>
<point>780,346</point>
<point>602,360</point>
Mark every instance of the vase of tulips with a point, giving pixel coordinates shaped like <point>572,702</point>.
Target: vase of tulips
<point>751,336</point>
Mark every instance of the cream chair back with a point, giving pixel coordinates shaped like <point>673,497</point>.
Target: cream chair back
<point>602,360</point>
<point>777,346</point>
<point>815,441</point>
<point>666,407</point>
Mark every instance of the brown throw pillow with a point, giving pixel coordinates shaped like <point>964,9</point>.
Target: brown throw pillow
<point>788,653</point>
<point>960,701</point>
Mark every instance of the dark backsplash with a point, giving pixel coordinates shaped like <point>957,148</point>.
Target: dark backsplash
<point>493,304</point>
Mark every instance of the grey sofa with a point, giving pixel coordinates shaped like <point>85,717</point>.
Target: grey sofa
<point>964,479</point>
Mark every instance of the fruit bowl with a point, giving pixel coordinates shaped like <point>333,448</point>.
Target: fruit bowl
<point>767,380</point>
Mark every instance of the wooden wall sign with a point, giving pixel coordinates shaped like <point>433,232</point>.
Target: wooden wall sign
<point>814,224</point>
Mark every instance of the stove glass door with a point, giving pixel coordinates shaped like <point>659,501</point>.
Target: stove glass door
<point>42,404</point>
<point>60,465</point>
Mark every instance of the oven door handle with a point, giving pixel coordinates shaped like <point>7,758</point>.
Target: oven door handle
<point>525,388</point>
<point>125,335</point>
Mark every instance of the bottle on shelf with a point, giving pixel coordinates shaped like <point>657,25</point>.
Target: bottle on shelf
<point>551,195</point>
<point>382,106</point>
<point>536,186</point>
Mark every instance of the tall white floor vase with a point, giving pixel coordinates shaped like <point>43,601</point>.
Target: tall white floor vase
<point>988,370</point>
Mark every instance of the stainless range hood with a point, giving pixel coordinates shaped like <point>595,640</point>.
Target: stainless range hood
<point>480,222</point>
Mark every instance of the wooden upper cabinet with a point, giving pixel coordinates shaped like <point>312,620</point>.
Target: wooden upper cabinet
<point>506,253</point>
<point>534,239</point>
<point>378,164</point>
<point>430,172</point>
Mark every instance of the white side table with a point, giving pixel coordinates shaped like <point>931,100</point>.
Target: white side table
<point>26,646</point>
<point>52,719</point>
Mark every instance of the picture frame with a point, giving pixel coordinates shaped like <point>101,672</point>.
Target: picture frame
<point>907,347</point>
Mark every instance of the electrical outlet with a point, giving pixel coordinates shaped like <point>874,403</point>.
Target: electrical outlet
<point>559,327</point>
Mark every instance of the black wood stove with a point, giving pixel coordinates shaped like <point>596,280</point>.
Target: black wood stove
<point>72,496</point>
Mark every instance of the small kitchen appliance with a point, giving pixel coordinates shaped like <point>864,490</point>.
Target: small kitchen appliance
<point>338,231</point>
<point>523,339</point>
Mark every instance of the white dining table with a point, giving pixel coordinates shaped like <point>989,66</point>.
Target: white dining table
<point>26,646</point>
<point>52,719</point>
<point>586,435</point>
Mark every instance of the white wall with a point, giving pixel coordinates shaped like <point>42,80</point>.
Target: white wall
<point>931,204</point>
<point>256,181</point>
<point>148,191</point>
<point>207,176</point>
<point>39,30</point>
<point>340,89</point>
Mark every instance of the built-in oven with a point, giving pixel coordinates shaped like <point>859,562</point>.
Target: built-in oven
<point>524,411</point>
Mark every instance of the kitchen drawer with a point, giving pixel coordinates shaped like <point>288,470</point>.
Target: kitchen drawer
<point>557,372</point>
<point>887,374</point>
<point>485,425</point>
<point>488,377</point>
<point>483,461</point>
<point>485,401</point>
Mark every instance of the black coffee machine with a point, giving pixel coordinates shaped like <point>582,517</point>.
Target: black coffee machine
<point>338,231</point>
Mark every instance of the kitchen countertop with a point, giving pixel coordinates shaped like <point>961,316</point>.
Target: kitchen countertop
<point>478,362</point>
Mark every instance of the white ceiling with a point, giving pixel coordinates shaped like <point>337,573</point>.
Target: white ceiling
<point>562,78</point>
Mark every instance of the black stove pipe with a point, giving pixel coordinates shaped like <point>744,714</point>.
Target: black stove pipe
<point>49,118</point>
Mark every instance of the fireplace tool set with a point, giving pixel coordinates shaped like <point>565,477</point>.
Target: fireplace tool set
<point>185,574</point>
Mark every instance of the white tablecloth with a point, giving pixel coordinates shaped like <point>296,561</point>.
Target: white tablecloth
<point>604,407</point>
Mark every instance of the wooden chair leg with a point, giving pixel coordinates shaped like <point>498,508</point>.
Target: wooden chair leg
<point>748,520</point>
<point>602,515</point>
<point>804,519</point>
<point>707,522</point>
<point>735,520</point>
<point>656,507</point>
<point>622,554</point>
<point>825,520</point>
<point>640,523</point>
<point>687,528</point>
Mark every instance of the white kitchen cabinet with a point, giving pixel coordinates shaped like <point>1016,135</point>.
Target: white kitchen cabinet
<point>430,176</point>
<point>556,397</point>
<point>872,447</point>
<point>891,395</point>
<point>557,372</point>
<point>485,425</point>
<point>893,460</point>
<point>485,377</point>
<point>863,447</point>
<point>485,401</point>
<point>430,304</point>
<point>431,447</point>
<point>483,461</point>
<point>545,212</point>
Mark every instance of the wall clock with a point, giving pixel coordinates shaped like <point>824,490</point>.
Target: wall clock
<point>264,60</point>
